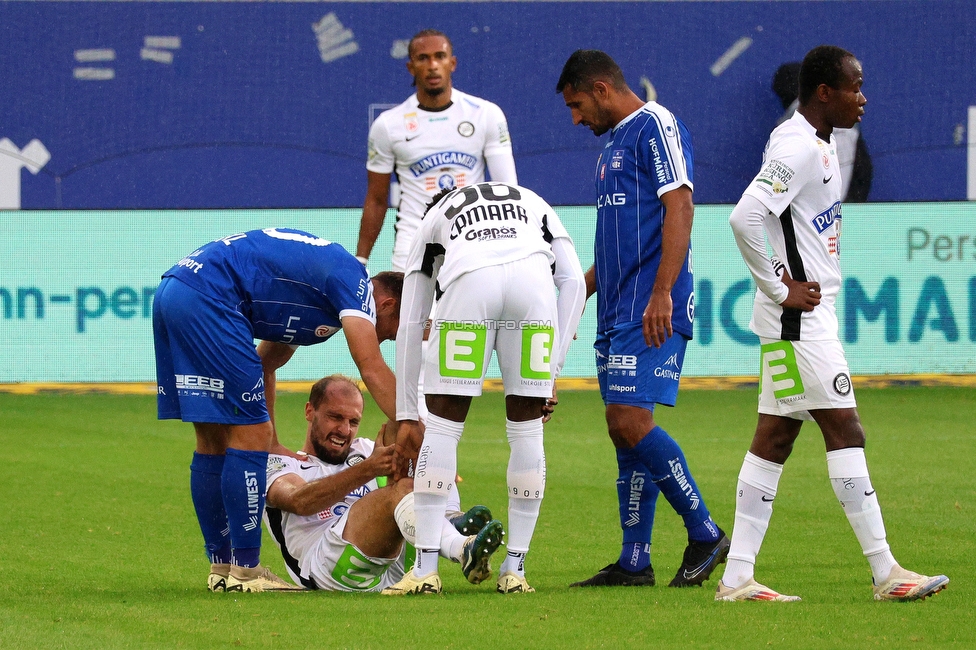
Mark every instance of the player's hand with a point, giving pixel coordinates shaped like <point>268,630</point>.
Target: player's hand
<point>409,437</point>
<point>657,319</point>
<point>381,461</point>
<point>803,295</point>
<point>549,405</point>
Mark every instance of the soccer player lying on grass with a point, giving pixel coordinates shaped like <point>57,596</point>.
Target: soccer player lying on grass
<point>339,526</point>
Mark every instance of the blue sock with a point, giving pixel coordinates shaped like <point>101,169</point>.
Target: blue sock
<point>636,497</point>
<point>208,501</point>
<point>669,471</point>
<point>243,483</point>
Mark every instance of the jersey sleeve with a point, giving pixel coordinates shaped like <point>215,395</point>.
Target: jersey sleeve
<point>379,148</point>
<point>665,153</point>
<point>786,162</point>
<point>350,291</point>
<point>497,138</point>
<point>278,466</point>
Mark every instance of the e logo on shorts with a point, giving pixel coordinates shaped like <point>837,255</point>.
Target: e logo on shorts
<point>537,352</point>
<point>783,371</point>
<point>462,350</point>
<point>356,571</point>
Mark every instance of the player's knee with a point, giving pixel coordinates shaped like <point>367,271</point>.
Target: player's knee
<point>406,519</point>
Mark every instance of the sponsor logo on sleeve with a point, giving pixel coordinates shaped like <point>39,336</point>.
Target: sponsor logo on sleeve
<point>662,166</point>
<point>774,178</point>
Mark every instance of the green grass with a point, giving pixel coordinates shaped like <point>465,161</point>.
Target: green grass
<point>100,547</point>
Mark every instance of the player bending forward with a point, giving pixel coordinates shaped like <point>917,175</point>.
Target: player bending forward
<point>338,525</point>
<point>495,251</point>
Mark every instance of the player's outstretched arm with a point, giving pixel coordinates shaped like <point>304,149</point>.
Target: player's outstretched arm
<point>365,350</point>
<point>374,212</point>
<point>273,356</point>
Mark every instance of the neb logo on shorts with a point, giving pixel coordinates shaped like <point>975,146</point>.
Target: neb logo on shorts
<point>622,362</point>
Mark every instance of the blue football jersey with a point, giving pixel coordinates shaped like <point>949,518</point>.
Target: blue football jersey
<point>648,154</point>
<point>292,286</point>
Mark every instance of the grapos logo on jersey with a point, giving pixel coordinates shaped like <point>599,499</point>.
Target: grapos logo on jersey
<point>199,383</point>
<point>826,218</point>
<point>256,394</point>
<point>442,159</point>
<point>662,167</point>
<point>489,234</point>
<point>622,362</point>
<point>617,198</point>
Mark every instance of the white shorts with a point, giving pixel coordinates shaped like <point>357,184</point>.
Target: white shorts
<point>338,565</point>
<point>799,376</point>
<point>509,308</point>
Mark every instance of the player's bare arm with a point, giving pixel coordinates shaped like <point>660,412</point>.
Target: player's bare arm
<point>365,350</point>
<point>374,212</point>
<point>590,277</point>
<point>292,493</point>
<point>679,212</point>
<point>274,356</point>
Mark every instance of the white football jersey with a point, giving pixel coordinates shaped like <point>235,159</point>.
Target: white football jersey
<point>483,225</point>
<point>800,185</point>
<point>300,536</point>
<point>433,150</point>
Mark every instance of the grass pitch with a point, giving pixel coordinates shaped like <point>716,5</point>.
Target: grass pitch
<point>100,548</point>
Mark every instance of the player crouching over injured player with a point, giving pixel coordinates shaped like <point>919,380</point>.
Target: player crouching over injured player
<point>339,526</point>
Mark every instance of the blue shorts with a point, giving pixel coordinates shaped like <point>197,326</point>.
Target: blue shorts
<point>207,368</point>
<point>631,372</point>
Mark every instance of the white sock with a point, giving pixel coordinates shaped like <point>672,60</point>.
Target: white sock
<point>526,487</point>
<point>452,542</point>
<point>848,471</point>
<point>433,482</point>
<point>755,491</point>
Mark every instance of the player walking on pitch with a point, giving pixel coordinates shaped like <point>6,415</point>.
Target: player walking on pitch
<point>642,276</point>
<point>495,251</point>
<point>795,200</point>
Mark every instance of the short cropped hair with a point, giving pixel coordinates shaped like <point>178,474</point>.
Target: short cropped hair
<point>391,282</point>
<point>585,67</point>
<point>319,389</point>
<point>423,33</point>
<point>822,65</point>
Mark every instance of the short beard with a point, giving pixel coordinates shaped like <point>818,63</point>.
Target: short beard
<point>434,92</point>
<point>327,456</point>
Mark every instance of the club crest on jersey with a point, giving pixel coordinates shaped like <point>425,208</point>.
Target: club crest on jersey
<point>466,129</point>
<point>823,152</point>
<point>617,159</point>
<point>411,123</point>
<point>446,182</point>
<point>442,159</point>
<point>826,219</point>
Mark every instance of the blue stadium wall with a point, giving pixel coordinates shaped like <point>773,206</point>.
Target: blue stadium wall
<point>173,105</point>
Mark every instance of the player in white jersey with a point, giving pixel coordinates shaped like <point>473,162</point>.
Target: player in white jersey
<point>338,525</point>
<point>796,201</point>
<point>494,251</point>
<point>439,138</point>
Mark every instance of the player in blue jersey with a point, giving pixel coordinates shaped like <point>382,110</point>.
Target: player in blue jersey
<point>286,288</point>
<point>642,276</point>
